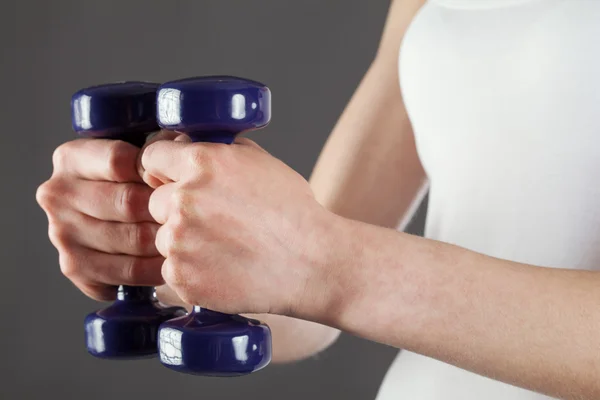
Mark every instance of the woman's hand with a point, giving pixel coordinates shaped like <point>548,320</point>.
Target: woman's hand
<point>97,207</point>
<point>242,232</point>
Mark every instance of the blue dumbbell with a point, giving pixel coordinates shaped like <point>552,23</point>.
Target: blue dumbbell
<point>128,328</point>
<point>214,109</point>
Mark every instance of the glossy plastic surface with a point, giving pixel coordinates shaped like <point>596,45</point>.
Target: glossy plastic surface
<point>214,344</point>
<point>214,109</point>
<point>126,111</point>
<point>128,329</point>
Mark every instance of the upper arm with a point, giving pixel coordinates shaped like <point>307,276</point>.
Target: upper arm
<point>399,17</point>
<point>369,169</point>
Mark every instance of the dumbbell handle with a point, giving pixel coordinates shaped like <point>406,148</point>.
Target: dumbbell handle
<point>125,292</point>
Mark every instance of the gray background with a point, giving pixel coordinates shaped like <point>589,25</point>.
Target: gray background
<point>311,53</point>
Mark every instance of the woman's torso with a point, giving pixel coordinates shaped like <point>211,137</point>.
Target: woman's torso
<point>504,98</point>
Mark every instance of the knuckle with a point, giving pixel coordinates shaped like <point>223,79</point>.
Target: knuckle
<point>69,265</point>
<point>178,199</point>
<point>201,161</point>
<point>181,201</point>
<point>45,195</point>
<point>58,235</point>
<point>134,270</point>
<point>142,237</point>
<point>177,233</point>
<point>172,233</point>
<point>197,156</point>
<point>172,272</point>
<point>50,194</point>
<point>119,159</point>
<point>128,201</point>
<point>61,155</point>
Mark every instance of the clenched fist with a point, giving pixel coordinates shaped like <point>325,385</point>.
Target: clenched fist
<point>241,231</point>
<point>97,207</point>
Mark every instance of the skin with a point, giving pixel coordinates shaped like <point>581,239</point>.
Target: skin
<point>242,232</point>
<point>231,248</point>
<point>368,171</point>
<point>98,209</point>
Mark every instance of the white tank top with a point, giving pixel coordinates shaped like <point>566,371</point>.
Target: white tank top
<point>504,98</point>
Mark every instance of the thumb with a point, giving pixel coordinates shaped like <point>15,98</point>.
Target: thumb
<point>155,137</point>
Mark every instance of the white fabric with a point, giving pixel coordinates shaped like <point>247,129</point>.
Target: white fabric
<point>504,98</point>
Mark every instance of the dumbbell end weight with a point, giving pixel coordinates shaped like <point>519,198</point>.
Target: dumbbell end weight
<point>121,111</point>
<point>126,111</point>
<point>209,343</point>
<point>128,328</point>
<point>214,109</point>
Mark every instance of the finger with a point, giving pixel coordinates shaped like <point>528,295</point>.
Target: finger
<point>180,278</point>
<point>167,295</point>
<point>109,201</point>
<point>93,267</point>
<point>155,137</point>
<point>163,134</point>
<point>136,239</point>
<point>175,240</point>
<point>98,292</point>
<point>167,161</point>
<point>166,241</point>
<point>160,203</point>
<point>97,159</point>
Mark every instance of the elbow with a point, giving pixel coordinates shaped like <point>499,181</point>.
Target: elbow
<point>300,350</point>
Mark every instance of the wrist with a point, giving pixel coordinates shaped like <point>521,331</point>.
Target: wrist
<point>362,270</point>
<point>331,254</point>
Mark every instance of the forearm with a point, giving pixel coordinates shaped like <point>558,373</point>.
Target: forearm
<point>369,169</point>
<point>296,339</point>
<point>352,161</point>
<point>530,326</point>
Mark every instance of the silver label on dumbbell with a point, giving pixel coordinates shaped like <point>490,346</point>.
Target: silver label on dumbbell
<point>238,106</point>
<point>169,343</point>
<point>81,111</point>
<point>169,105</point>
